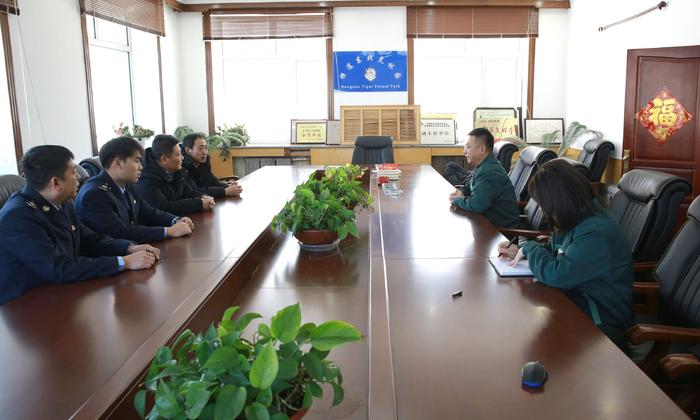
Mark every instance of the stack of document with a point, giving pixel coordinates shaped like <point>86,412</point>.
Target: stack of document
<point>389,170</point>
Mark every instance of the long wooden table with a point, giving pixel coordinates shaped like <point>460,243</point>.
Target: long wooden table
<point>80,350</point>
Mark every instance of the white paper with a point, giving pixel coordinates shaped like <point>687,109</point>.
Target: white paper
<point>503,268</point>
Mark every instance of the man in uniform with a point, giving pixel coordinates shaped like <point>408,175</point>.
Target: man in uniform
<point>42,241</point>
<point>109,203</point>
<point>489,191</point>
<point>198,169</point>
<point>163,183</point>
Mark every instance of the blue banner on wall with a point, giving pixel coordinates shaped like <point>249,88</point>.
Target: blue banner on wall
<point>369,71</point>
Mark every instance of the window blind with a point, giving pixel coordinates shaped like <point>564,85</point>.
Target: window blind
<point>472,22</point>
<point>144,15</point>
<point>268,24</point>
<point>9,6</point>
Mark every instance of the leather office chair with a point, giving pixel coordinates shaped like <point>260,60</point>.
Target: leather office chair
<point>503,151</point>
<point>646,206</point>
<point>676,294</point>
<point>9,184</point>
<point>92,165</point>
<point>530,159</point>
<point>595,156</point>
<point>534,221</point>
<point>83,175</point>
<point>372,149</point>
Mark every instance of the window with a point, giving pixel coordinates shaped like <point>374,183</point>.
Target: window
<point>265,83</point>
<point>9,159</point>
<point>125,77</point>
<point>456,75</point>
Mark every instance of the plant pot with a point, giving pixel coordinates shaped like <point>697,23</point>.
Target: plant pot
<point>316,237</point>
<point>299,414</point>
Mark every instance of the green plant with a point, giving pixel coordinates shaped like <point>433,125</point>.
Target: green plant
<point>315,207</point>
<point>227,137</point>
<point>222,375</point>
<point>342,181</point>
<point>182,131</point>
<point>137,133</point>
<point>573,132</point>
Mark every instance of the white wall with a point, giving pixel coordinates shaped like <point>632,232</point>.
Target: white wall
<point>597,61</point>
<point>369,29</point>
<point>47,49</point>
<point>549,99</point>
<point>193,77</point>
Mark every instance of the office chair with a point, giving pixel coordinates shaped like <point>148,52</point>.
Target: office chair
<point>530,159</point>
<point>372,149</point>
<point>9,184</point>
<point>646,206</point>
<point>503,151</point>
<point>595,156</point>
<point>92,165</point>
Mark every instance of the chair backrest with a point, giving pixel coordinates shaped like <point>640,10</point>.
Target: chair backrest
<point>372,149</point>
<point>646,206</point>
<point>503,150</point>
<point>83,175</point>
<point>9,184</point>
<point>678,274</point>
<point>536,219</point>
<point>92,165</point>
<point>530,159</point>
<point>595,155</point>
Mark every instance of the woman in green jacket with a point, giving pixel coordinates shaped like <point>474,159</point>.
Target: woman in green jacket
<point>588,255</point>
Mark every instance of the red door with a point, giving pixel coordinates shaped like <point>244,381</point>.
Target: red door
<point>677,70</point>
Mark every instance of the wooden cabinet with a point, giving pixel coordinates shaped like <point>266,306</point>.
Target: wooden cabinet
<point>401,122</point>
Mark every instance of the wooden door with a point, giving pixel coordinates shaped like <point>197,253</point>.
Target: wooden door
<point>677,70</point>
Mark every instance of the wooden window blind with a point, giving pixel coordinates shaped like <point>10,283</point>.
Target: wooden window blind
<point>144,15</point>
<point>268,24</point>
<point>472,22</point>
<point>9,6</point>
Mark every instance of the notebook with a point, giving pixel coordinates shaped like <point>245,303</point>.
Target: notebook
<point>522,269</point>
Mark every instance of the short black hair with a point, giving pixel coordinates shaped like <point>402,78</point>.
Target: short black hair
<point>163,145</point>
<point>189,139</point>
<point>119,148</point>
<point>41,163</point>
<point>563,193</point>
<point>484,136</point>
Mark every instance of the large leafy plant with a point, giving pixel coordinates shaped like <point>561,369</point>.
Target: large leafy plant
<point>315,207</point>
<point>182,131</point>
<point>573,132</point>
<point>137,132</point>
<point>222,375</point>
<point>342,182</point>
<point>227,137</point>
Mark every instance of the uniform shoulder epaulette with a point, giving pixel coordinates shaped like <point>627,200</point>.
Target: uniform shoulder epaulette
<point>104,187</point>
<point>31,204</point>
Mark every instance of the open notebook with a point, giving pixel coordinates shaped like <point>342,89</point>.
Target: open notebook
<point>522,269</point>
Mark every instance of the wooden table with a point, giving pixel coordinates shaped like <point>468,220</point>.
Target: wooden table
<point>81,349</point>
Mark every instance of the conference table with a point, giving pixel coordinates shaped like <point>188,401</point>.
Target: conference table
<point>80,350</point>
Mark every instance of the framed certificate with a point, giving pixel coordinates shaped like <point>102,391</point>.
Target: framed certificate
<point>501,122</point>
<point>536,128</point>
<point>308,132</point>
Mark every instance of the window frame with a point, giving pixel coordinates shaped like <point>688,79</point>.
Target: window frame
<point>11,91</point>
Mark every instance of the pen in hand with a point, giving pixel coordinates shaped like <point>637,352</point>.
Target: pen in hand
<point>511,242</point>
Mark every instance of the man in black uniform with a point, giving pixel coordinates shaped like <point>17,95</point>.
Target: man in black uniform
<point>42,241</point>
<point>197,165</point>
<point>109,203</point>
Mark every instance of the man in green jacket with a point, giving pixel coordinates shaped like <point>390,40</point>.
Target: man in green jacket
<point>490,191</point>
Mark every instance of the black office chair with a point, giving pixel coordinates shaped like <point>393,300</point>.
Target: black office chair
<point>595,155</point>
<point>677,290</point>
<point>92,165</point>
<point>534,223</point>
<point>646,206</point>
<point>503,151</point>
<point>9,184</point>
<point>372,149</point>
<point>83,175</point>
<point>530,159</point>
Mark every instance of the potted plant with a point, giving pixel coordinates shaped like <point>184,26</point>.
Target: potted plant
<point>274,374</point>
<point>139,133</point>
<point>316,215</point>
<point>344,182</point>
<point>573,132</point>
<point>182,131</point>
<point>227,137</point>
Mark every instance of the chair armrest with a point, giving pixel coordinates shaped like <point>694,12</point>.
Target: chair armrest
<point>678,365</point>
<point>644,266</point>
<point>642,333</point>
<point>645,287</point>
